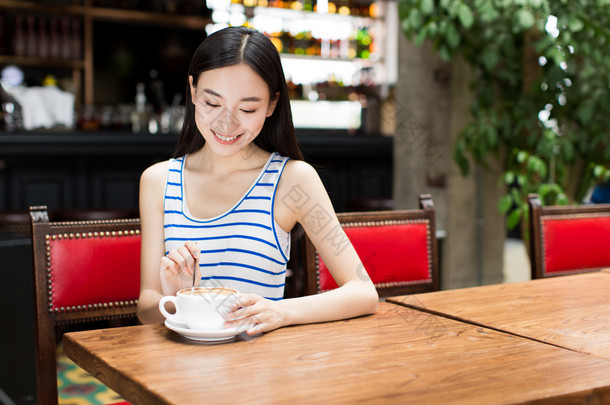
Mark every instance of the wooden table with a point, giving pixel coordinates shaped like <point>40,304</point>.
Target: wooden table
<point>398,355</point>
<point>568,311</point>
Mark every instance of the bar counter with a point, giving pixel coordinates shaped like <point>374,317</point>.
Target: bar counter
<point>317,143</point>
<point>101,169</point>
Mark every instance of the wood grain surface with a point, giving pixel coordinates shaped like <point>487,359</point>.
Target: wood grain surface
<point>398,355</point>
<point>568,311</point>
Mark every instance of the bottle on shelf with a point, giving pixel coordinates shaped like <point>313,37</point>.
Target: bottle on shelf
<point>139,120</point>
<point>32,37</point>
<point>3,34</point>
<point>54,39</point>
<point>19,38</point>
<point>343,7</point>
<point>43,38</point>
<point>66,45</point>
<point>76,40</point>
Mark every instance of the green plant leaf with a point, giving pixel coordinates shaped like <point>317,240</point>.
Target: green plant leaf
<point>444,53</point>
<point>453,36</point>
<point>562,199</point>
<point>575,24</point>
<point>420,37</point>
<point>490,57</point>
<point>465,16</point>
<point>522,156</point>
<point>427,7</point>
<point>526,19</point>
<point>514,218</point>
<point>544,190</point>
<point>516,195</point>
<point>585,111</point>
<point>415,19</point>
<point>505,204</point>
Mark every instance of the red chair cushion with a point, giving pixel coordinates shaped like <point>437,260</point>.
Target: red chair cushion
<point>93,270</point>
<point>396,254</point>
<point>576,244</point>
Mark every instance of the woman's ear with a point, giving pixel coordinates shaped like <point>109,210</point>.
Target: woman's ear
<point>272,104</point>
<point>193,90</point>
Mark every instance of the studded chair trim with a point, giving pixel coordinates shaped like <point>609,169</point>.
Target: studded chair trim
<point>387,223</point>
<point>126,294</point>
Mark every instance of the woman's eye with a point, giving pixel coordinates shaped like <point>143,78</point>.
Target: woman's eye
<point>248,111</point>
<point>211,104</point>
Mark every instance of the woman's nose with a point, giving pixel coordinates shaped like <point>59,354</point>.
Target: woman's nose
<point>226,122</point>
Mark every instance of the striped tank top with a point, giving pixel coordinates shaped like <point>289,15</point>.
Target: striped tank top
<point>243,248</point>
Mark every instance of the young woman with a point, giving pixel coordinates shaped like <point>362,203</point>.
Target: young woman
<point>233,192</point>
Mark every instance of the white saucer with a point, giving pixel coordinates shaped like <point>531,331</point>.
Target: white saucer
<point>207,335</point>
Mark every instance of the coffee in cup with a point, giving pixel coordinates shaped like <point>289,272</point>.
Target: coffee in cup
<point>200,308</point>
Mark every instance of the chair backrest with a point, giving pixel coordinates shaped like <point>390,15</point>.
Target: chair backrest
<point>397,248</point>
<point>84,271</point>
<point>568,239</point>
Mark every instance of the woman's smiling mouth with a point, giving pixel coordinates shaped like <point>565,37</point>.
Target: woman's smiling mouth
<point>225,139</point>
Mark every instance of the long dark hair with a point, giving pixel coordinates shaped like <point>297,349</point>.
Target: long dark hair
<point>228,47</point>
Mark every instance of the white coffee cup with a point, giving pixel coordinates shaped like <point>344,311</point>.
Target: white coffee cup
<point>200,308</point>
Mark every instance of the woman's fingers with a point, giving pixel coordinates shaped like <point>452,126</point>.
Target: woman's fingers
<point>254,310</point>
<point>193,248</point>
<point>244,300</point>
<point>183,258</point>
<point>178,267</point>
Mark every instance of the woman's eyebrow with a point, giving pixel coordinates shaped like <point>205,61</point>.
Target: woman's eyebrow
<point>213,93</point>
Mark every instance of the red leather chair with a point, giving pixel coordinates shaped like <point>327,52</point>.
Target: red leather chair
<point>568,239</point>
<point>397,248</point>
<point>84,271</point>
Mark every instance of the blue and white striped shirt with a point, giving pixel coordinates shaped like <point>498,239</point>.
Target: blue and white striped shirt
<point>243,248</point>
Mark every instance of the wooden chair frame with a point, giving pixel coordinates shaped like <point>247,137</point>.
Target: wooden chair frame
<point>426,213</point>
<point>539,213</point>
<point>49,318</point>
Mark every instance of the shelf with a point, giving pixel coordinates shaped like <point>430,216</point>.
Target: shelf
<point>37,7</point>
<point>305,15</point>
<point>109,14</point>
<point>38,62</point>
<point>322,59</point>
<point>83,70</point>
<point>143,17</point>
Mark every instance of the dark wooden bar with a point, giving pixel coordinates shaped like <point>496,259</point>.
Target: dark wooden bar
<point>79,170</point>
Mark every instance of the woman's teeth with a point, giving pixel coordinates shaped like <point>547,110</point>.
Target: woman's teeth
<point>226,138</point>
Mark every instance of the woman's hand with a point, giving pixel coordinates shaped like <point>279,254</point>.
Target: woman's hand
<point>177,268</point>
<point>251,309</point>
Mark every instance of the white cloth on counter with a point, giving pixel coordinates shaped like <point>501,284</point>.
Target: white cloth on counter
<point>45,107</point>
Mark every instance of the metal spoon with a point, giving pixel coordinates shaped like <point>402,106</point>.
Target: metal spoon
<point>195,272</point>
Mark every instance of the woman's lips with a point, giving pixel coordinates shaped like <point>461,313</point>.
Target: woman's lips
<point>226,139</point>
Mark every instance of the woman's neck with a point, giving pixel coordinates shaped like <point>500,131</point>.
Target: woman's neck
<point>206,160</point>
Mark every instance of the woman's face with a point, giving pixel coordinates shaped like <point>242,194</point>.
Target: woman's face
<point>231,105</point>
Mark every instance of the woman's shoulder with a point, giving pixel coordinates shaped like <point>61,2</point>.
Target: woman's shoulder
<point>299,170</point>
<point>157,168</point>
<point>155,173</point>
<point>298,173</point>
